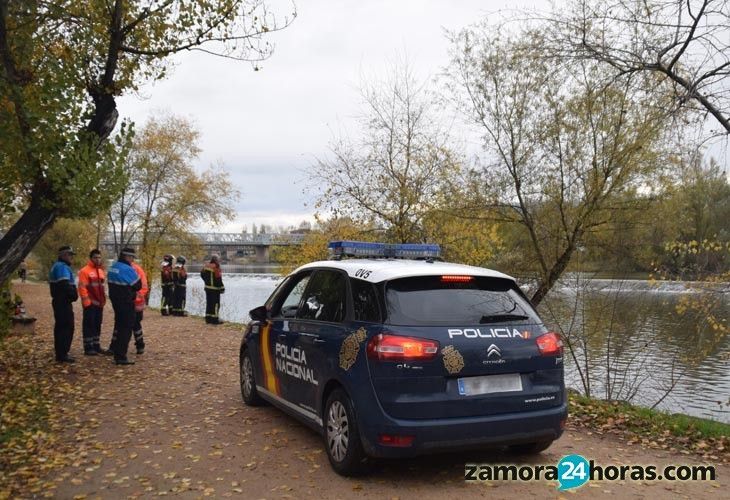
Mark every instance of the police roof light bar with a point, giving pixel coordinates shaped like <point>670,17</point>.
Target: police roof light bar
<point>364,249</point>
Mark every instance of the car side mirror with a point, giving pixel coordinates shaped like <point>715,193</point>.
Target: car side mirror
<point>259,313</point>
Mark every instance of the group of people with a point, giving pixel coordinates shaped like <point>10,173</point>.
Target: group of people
<point>174,283</point>
<point>128,293</point>
<point>174,288</point>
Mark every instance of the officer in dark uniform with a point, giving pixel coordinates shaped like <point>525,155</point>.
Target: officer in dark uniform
<point>213,280</point>
<point>167,284</point>
<point>124,282</point>
<point>64,294</point>
<point>179,278</point>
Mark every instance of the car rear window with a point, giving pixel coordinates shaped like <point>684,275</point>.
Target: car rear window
<point>428,300</point>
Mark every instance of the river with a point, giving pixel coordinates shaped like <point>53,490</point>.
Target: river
<point>638,329</point>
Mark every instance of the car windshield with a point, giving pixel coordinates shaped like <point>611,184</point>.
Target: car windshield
<point>429,300</point>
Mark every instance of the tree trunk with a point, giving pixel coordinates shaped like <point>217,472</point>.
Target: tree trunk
<point>23,235</point>
<point>553,276</point>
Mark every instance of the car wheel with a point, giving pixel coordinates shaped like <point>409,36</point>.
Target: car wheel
<point>248,382</point>
<point>342,435</point>
<point>530,448</point>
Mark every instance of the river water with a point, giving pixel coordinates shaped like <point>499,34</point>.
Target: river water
<point>648,337</point>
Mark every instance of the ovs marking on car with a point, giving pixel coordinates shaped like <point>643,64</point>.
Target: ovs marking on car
<point>363,273</point>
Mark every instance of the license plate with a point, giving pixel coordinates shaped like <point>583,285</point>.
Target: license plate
<point>490,384</point>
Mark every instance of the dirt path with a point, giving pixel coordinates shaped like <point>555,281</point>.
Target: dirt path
<point>174,424</point>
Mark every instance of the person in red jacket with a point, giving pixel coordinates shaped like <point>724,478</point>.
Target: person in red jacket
<point>180,278</point>
<point>167,284</point>
<point>93,299</point>
<point>139,304</point>
<point>213,280</point>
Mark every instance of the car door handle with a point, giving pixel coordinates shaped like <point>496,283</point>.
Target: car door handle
<point>319,341</point>
<point>281,336</point>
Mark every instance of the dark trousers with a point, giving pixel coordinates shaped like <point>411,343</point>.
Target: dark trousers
<point>178,300</point>
<point>137,329</point>
<point>63,329</point>
<point>124,319</point>
<point>212,304</point>
<point>91,328</point>
<point>166,306</point>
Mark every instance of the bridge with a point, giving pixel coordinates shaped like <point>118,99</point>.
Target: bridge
<point>227,245</point>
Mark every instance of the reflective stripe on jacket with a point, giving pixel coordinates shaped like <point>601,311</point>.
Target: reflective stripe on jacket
<point>179,276</point>
<point>212,277</point>
<point>62,282</point>
<point>91,285</point>
<point>166,275</point>
<point>123,283</point>
<point>140,301</point>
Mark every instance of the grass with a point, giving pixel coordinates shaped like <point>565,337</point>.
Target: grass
<point>652,428</point>
<point>681,425</point>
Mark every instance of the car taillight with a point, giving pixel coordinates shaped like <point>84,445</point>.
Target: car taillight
<point>395,441</point>
<point>456,278</point>
<point>386,347</point>
<point>550,344</point>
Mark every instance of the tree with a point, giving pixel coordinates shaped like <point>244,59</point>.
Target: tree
<point>62,65</point>
<point>390,175</point>
<point>704,197</point>
<point>165,198</point>
<point>80,234</point>
<point>314,244</point>
<point>684,44</point>
<point>562,146</point>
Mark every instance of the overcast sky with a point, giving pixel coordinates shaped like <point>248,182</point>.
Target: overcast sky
<point>267,127</point>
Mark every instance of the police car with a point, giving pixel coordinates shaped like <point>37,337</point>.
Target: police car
<point>392,357</point>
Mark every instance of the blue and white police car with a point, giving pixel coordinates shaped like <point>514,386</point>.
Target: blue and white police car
<point>392,356</point>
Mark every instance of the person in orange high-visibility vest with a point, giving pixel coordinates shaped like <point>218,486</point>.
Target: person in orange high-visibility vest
<point>139,304</point>
<point>93,299</point>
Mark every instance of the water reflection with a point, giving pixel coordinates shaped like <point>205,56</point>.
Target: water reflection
<point>639,342</point>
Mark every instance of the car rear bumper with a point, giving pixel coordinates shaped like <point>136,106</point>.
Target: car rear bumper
<point>454,434</point>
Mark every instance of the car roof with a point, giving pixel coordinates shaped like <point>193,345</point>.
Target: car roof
<point>389,269</point>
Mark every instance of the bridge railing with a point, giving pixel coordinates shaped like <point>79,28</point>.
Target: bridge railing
<point>231,239</point>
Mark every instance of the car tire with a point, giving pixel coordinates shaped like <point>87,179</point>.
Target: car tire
<point>530,448</point>
<point>342,435</point>
<point>248,381</point>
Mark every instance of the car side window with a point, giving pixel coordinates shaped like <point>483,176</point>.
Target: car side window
<point>364,301</point>
<point>290,305</point>
<point>278,292</point>
<point>325,298</point>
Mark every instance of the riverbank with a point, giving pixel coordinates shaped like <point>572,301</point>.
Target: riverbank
<point>174,424</point>
<point>676,432</point>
